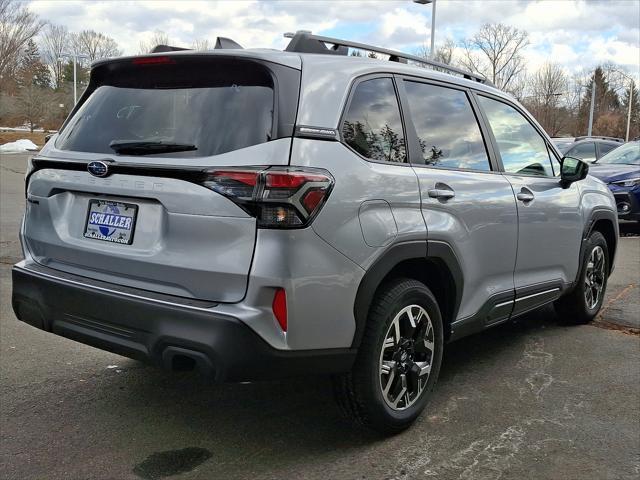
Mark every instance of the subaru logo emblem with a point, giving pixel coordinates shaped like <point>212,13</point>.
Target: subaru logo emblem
<point>98,169</point>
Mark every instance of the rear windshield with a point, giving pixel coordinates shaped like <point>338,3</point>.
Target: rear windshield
<point>212,107</point>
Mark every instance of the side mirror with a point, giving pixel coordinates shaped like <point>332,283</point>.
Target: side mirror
<point>572,170</point>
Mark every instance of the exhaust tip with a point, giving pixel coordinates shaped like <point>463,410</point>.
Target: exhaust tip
<point>182,363</point>
<point>180,359</point>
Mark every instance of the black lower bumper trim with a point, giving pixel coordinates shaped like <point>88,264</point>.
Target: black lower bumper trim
<point>159,333</point>
<point>628,206</point>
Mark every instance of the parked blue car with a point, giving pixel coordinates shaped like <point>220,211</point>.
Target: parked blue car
<point>620,170</point>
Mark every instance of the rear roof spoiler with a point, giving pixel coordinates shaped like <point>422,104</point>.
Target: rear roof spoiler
<point>226,43</point>
<point>167,48</point>
<point>222,43</point>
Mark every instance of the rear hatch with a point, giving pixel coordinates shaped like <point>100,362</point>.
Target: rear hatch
<point>123,193</point>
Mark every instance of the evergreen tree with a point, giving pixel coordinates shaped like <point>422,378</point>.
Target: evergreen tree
<point>606,101</point>
<point>82,73</point>
<point>31,70</point>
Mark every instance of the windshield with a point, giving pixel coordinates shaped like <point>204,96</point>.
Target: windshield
<point>628,154</point>
<point>175,116</point>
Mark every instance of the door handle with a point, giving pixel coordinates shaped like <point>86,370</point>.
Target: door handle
<point>442,192</point>
<point>525,195</point>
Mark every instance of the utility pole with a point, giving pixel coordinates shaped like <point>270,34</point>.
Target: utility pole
<point>593,101</point>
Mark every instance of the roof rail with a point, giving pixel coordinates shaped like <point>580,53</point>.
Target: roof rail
<point>306,42</point>
<point>600,137</point>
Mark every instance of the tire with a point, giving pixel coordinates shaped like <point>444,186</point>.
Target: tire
<point>575,308</point>
<point>360,394</point>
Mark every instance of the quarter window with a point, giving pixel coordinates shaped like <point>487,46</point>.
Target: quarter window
<point>522,148</point>
<point>584,151</point>
<point>606,148</point>
<point>447,128</point>
<point>372,126</point>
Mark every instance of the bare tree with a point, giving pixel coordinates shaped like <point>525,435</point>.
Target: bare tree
<point>17,26</point>
<point>548,85</point>
<point>423,51</point>
<point>158,38</point>
<point>573,98</point>
<point>444,52</point>
<point>94,45</point>
<point>495,51</point>
<point>32,103</point>
<point>615,76</point>
<point>519,86</point>
<point>8,109</point>
<point>54,43</point>
<point>201,45</point>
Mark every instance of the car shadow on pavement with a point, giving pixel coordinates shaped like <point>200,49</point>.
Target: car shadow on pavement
<point>299,415</point>
<point>629,229</point>
<point>160,422</point>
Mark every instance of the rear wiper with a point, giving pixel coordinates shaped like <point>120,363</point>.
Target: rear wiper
<point>147,147</point>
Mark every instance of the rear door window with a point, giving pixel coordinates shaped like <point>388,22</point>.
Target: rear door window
<point>372,125</point>
<point>447,128</point>
<point>216,108</point>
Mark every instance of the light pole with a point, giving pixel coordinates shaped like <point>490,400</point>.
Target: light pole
<point>626,138</point>
<point>631,83</point>
<point>75,57</point>
<point>593,101</point>
<point>433,23</point>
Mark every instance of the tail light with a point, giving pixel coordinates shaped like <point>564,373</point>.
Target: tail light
<point>279,197</point>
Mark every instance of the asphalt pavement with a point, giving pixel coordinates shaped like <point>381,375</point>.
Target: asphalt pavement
<point>527,400</point>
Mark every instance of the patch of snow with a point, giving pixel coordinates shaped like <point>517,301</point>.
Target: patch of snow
<point>23,128</point>
<point>19,146</point>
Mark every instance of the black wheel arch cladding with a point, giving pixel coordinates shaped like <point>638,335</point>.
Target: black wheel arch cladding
<point>425,250</point>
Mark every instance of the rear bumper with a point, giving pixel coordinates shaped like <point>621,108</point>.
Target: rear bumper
<point>157,330</point>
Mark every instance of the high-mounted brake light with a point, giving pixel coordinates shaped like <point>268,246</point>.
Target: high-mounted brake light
<point>153,60</point>
<point>279,197</point>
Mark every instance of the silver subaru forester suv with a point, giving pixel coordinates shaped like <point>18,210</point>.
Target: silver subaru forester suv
<point>255,214</point>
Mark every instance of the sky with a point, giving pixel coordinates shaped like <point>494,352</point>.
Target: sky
<point>577,34</point>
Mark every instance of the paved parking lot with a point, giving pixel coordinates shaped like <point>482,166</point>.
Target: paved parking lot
<point>527,400</point>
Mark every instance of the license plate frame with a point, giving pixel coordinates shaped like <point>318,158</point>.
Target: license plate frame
<point>111,221</point>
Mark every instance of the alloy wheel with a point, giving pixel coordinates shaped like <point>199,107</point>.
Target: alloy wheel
<point>406,357</point>
<point>594,277</point>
